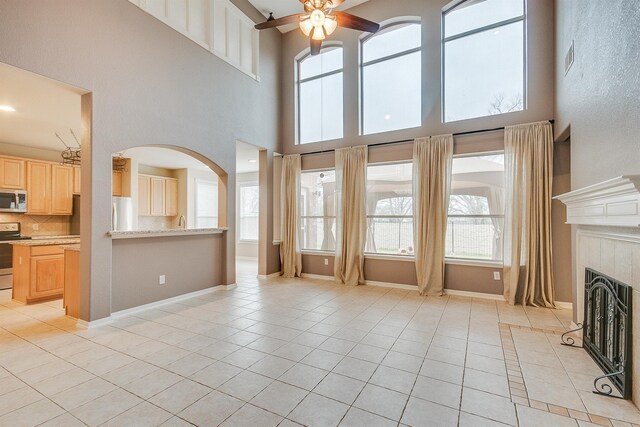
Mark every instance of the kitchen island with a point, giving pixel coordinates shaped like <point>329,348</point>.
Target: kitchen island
<point>38,269</point>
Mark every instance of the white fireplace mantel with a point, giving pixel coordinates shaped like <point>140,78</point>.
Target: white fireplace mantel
<point>615,202</point>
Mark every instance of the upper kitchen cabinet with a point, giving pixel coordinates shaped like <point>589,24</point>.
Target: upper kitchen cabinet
<point>49,189</point>
<point>116,183</point>
<point>77,175</point>
<point>157,196</point>
<point>171,197</point>
<point>144,195</point>
<point>216,25</point>
<point>12,173</point>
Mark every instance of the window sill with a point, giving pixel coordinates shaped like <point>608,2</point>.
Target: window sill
<point>473,262</point>
<point>384,257</point>
<point>318,253</point>
<point>251,242</point>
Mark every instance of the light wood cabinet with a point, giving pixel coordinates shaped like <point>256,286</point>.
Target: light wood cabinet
<point>157,196</point>
<point>71,296</point>
<point>144,195</point>
<point>12,173</point>
<point>171,197</point>
<point>116,183</point>
<point>38,188</point>
<point>77,179</point>
<point>38,273</point>
<point>61,190</point>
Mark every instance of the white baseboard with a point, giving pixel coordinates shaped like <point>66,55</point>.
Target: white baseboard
<point>391,285</point>
<point>269,276</point>
<point>317,277</point>
<point>564,305</point>
<point>94,324</point>
<point>470,294</point>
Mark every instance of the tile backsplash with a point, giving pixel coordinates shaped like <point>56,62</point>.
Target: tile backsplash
<point>157,222</point>
<point>48,225</point>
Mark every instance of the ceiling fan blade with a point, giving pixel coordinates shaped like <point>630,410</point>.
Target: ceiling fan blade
<point>316,46</point>
<point>291,19</point>
<point>348,20</point>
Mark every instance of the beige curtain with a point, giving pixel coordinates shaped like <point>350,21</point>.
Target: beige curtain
<point>432,161</point>
<point>351,214</point>
<point>290,255</point>
<point>528,274</point>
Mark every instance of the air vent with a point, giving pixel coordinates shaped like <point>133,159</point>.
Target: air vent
<point>568,58</point>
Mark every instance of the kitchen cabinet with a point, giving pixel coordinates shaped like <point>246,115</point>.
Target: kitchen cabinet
<point>12,173</point>
<point>71,297</point>
<point>157,196</point>
<point>144,195</point>
<point>61,190</point>
<point>116,183</point>
<point>38,273</point>
<point>171,197</point>
<point>38,188</point>
<point>77,179</point>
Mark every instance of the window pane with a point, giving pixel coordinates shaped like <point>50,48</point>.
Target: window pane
<point>206,204</point>
<point>476,208</point>
<point>321,109</point>
<point>249,212</point>
<point>484,73</point>
<point>390,209</point>
<point>474,14</point>
<point>392,94</point>
<point>329,60</point>
<point>317,209</point>
<point>395,39</point>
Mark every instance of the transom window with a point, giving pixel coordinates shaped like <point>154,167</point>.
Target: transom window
<point>391,78</point>
<point>476,208</point>
<point>319,96</point>
<point>484,58</point>
<point>317,210</point>
<point>390,209</point>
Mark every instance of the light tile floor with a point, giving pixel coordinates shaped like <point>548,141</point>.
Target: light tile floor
<point>289,352</point>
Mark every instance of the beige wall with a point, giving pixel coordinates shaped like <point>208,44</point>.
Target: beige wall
<point>147,85</point>
<point>188,267</point>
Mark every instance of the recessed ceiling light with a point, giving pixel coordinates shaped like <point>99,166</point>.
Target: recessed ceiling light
<point>496,32</point>
<point>253,161</point>
<point>387,117</point>
<point>7,108</point>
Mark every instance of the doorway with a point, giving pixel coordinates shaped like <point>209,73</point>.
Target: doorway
<point>247,210</point>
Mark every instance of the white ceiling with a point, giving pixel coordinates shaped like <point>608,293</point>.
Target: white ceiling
<point>244,153</point>
<point>282,8</point>
<point>165,158</point>
<point>43,107</point>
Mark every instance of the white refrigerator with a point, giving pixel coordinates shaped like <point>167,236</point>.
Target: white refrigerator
<point>122,214</point>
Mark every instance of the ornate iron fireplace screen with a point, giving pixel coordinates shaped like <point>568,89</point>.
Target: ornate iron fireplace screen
<point>606,331</point>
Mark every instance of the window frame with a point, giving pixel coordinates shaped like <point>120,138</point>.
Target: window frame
<point>196,200</point>
<point>240,216</point>
<point>300,58</point>
<point>361,66</point>
<point>302,216</point>
<point>466,260</point>
<point>380,255</point>
<point>443,40</point>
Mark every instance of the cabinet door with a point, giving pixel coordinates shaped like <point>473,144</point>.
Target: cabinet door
<point>144,195</point>
<point>12,174</point>
<point>77,176</point>
<point>157,196</point>
<point>47,275</point>
<point>61,190</point>
<point>116,183</point>
<point>171,197</point>
<point>38,188</point>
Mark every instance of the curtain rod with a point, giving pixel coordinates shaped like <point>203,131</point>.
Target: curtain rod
<point>405,141</point>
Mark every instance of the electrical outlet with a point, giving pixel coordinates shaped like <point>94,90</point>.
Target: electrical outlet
<point>35,226</point>
<point>162,279</point>
<point>496,275</point>
<point>326,261</point>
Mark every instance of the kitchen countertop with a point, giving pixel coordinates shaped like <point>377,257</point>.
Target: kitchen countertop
<point>46,242</point>
<point>164,233</point>
<point>70,236</point>
<point>75,248</point>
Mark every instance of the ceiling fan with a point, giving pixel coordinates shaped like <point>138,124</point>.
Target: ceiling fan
<point>320,20</point>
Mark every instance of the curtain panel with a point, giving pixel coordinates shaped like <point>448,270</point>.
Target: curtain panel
<point>290,254</point>
<point>351,214</point>
<point>528,268</point>
<point>432,163</point>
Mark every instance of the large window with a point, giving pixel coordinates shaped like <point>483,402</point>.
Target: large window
<point>319,90</point>
<point>249,212</point>
<point>206,204</point>
<point>476,208</point>
<point>484,58</point>
<point>317,210</point>
<point>390,209</point>
<point>391,78</point>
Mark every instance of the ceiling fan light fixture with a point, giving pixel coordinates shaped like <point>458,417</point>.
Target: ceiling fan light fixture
<point>330,24</point>
<point>317,18</point>
<point>318,33</point>
<point>306,26</point>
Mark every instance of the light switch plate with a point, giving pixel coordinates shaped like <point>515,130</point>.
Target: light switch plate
<point>326,261</point>
<point>162,279</point>
<point>496,275</point>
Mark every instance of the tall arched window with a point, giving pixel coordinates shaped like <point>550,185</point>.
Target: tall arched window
<point>319,96</point>
<point>391,78</point>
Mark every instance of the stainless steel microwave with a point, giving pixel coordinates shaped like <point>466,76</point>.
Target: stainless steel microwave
<point>13,200</point>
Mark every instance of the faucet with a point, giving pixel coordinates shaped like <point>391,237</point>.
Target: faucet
<point>182,222</point>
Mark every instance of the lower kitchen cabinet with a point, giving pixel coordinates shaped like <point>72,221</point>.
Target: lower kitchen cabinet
<point>38,273</point>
